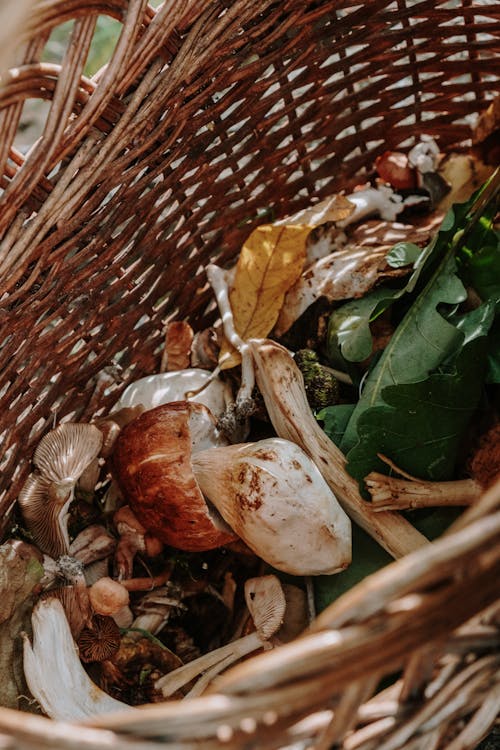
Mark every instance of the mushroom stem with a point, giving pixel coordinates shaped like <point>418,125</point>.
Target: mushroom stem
<point>218,280</point>
<point>147,584</point>
<point>389,493</point>
<point>173,681</point>
<point>266,602</point>
<point>282,386</point>
<point>204,681</point>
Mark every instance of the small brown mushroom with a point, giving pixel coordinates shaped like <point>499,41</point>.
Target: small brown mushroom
<point>393,167</point>
<point>133,539</point>
<point>99,640</point>
<point>65,452</point>
<point>108,597</point>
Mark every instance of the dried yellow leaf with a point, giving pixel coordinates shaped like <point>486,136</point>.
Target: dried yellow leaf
<point>270,262</point>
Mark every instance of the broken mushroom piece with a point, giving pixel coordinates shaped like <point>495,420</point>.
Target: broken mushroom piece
<point>152,465</point>
<point>54,673</point>
<point>275,498</point>
<point>60,458</point>
<point>133,539</point>
<point>381,201</point>
<point>92,544</point>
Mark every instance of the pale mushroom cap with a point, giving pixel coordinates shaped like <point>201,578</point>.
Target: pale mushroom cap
<point>65,452</point>
<point>266,603</point>
<point>164,387</point>
<point>276,500</point>
<point>108,597</point>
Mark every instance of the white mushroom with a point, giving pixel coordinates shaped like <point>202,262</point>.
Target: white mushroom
<point>275,498</point>
<point>192,384</point>
<point>270,493</point>
<point>54,673</point>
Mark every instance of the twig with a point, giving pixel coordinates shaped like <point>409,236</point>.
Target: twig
<point>390,493</point>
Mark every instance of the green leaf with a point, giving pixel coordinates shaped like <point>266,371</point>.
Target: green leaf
<point>419,344</point>
<point>493,368</point>
<point>421,425</point>
<point>482,271</point>
<point>335,420</point>
<point>477,322</point>
<point>403,254</point>
<point>349,325</point>
<point>479,257</point>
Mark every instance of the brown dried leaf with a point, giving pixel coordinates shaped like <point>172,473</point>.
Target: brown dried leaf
<point>465,173</point>
<point>331,209</point>
<point>177,352</point>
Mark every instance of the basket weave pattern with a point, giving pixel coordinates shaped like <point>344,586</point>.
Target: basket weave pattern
<point>210,115</point>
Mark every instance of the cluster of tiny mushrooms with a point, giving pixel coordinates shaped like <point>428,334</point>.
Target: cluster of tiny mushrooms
<point>186,483</point>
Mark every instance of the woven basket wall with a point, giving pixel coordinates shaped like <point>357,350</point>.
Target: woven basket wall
<point>210,115</point>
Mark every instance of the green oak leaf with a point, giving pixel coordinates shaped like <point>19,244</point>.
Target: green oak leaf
<point>335,419</point>
<point>420,425</point>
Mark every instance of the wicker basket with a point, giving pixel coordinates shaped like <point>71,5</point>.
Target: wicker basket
<point>209,113</point>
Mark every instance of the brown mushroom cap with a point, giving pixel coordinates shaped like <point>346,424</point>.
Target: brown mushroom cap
<point>108,596</point>
<point>152,465</point>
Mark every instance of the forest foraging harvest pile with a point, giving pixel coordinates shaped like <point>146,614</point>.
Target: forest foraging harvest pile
<point>354,374</point>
